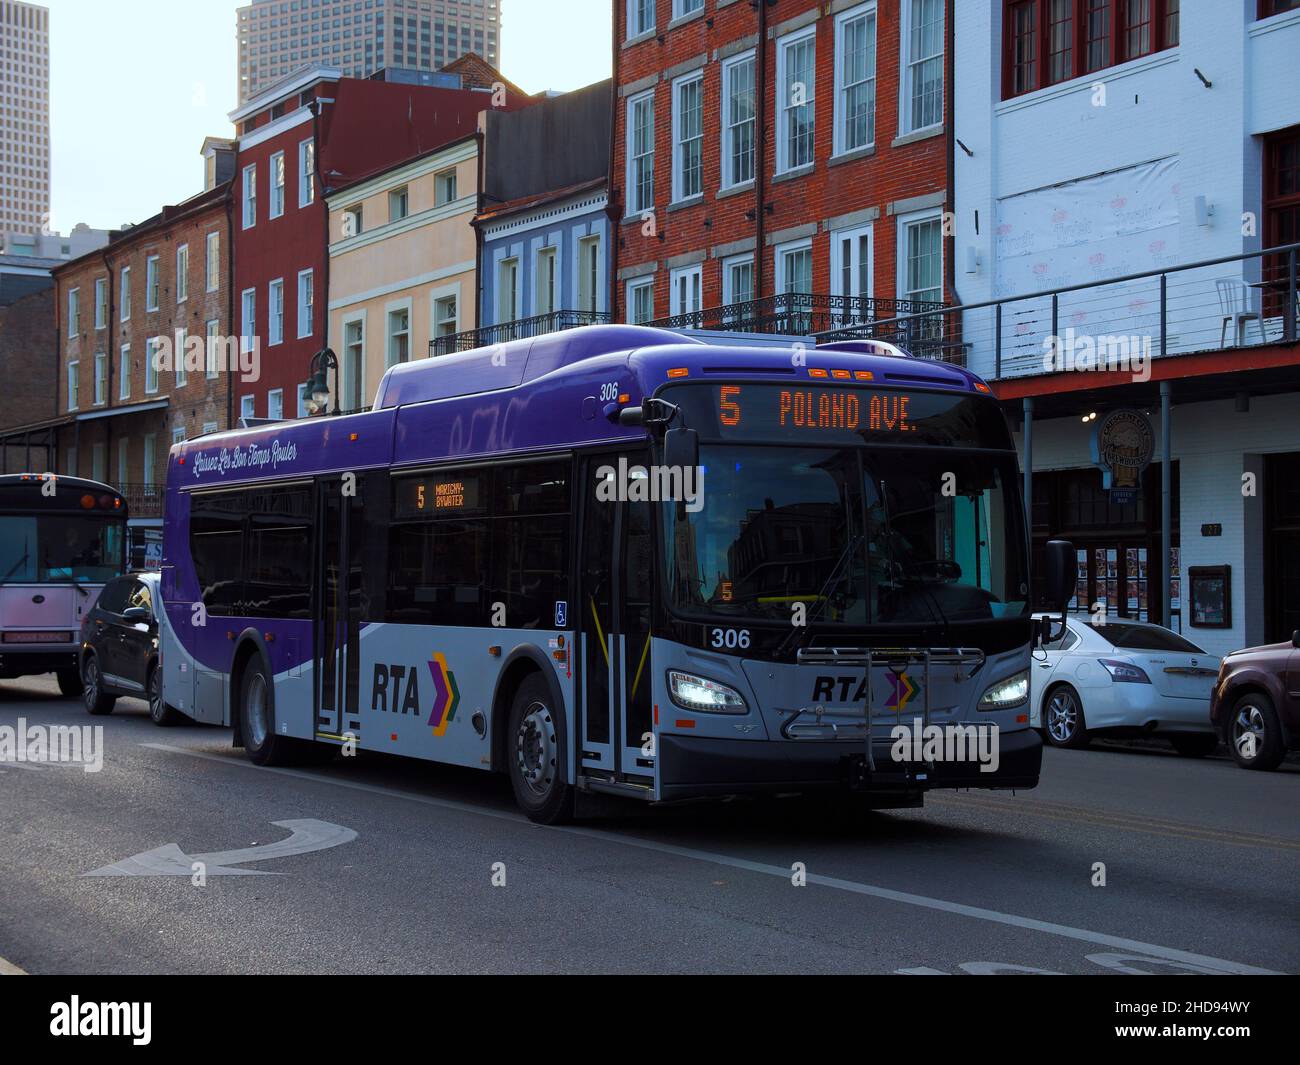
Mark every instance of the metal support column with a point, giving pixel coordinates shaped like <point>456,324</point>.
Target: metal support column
<point>1166,502</point>
<point>1028,438</point>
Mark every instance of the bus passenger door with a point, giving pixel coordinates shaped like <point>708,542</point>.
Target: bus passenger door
<point>617,567</point>
<point>338,615</point>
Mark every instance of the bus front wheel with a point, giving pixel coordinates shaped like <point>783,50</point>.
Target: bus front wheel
<point>535,754</point>
<point>257,717</point>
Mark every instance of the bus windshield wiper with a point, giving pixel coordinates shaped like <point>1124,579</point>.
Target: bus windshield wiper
<point>14,568</point>
<point>828,588</point>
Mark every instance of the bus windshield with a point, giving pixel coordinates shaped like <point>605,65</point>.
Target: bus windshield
<point>48,548</point>
<point>859,536</point>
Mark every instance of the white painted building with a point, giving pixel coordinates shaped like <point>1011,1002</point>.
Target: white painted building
<point>1097,140</point>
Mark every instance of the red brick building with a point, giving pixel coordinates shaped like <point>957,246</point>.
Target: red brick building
<point>781,166</point>
<point>146,350</point>
<point>298,141</point>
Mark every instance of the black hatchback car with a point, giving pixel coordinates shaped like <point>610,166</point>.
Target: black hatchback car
<point>119,647</point>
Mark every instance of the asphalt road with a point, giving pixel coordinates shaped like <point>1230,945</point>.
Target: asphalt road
<point>442,875</point>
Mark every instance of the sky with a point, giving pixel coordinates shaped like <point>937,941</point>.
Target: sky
<point>136,85</point>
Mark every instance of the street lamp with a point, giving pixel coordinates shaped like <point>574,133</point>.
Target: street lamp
<point>317,384</point>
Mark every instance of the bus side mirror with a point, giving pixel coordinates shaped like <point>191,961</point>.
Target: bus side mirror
<point>1059,578</point>
<point>631,416</point>
<point>681,449</point>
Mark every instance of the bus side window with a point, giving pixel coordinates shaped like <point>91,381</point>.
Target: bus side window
<point>217,547</point>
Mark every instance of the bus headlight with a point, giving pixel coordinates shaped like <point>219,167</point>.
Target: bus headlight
<point>1014,691</point>
<point>701,694</point>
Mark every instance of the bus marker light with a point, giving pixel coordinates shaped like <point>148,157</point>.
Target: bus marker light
<point>354,436</point>
<point>656,713</point>
<point>683,722</point>
<point>980,386</point>
<point>863,375</point>
<point>623,397</point>
<point>495,652</point>
<point>813,372</point>
<point>269,637</point>
<point>559,656</point>
<point>393,737</point>
<point>87,502</point>
<point>1022,719</point>
<point>842,374</point>
<point>680,371</point>
<point>230,635</point>
<point>559,640</point>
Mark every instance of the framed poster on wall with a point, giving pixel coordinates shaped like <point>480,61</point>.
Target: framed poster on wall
<point>1211,596</point>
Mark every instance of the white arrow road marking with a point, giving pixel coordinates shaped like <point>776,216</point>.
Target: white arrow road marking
<point>1085,935</point>
<point>169,860</point>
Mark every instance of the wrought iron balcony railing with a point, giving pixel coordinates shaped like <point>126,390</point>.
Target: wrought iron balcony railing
<point>142,500</point>
<point>519,329</point>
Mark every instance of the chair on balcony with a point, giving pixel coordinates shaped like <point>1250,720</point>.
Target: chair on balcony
<point>1237,305</point>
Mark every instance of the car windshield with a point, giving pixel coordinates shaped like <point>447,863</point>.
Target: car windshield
<point>1146,638</point>
<point>858,536</point>
<point>49,548</point>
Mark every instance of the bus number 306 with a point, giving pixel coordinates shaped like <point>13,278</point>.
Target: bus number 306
<point>730,638</point>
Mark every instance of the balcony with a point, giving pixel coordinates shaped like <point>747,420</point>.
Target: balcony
<point>519,329</point>
<point>142,500</point>
<point>916,325</point>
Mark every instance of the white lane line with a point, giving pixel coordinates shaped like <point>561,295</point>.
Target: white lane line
<point>906,898</point>
<point>8,968</point>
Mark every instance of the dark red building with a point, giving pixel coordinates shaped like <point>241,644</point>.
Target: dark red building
<point>298,141</point>
<point>780,166</point>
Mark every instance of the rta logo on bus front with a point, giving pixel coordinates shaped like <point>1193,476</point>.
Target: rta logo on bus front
<point>132,1020</point>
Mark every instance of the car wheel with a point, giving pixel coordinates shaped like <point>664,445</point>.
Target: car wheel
<point>1195,744</point>
<point>257,718</point>
<point>1063,722</point>
<point>1255,734</point>
<point>535,754</point>
<point>159,712</point>
<point>92,688</point>
<point>69,681</point>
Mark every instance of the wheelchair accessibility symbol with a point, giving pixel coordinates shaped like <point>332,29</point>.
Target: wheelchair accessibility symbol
<point>561,614</point>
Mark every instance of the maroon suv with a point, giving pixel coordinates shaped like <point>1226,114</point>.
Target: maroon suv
<point>1255,705</point>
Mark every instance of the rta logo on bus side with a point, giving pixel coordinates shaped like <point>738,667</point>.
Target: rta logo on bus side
<point>395,689</point>
<point>824,689</point>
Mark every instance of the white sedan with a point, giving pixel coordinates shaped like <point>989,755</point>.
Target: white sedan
<point>1123,678</point>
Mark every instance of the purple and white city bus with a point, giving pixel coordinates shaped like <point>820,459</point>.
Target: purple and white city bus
<point>495,568</point>
<point>61,540</point>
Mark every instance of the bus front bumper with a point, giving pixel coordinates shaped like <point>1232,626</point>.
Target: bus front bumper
<point>691,766</point>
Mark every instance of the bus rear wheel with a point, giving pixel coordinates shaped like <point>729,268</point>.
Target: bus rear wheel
<point>257,718</point>
<point>535,754</point>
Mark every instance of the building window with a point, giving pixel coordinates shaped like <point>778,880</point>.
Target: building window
<point>688,136</point>
<point>682,8</point>
<point>74,313</point>
<point>684,291</point>
<point>247,407</point>
<point>182,273</point>
<point>123,466</point>
<point>151,283</point>
<point>248,318</point>
<point>546,281</point>
<point>641,153</point>
<point>855,79</point>
<point>250,196</point>
<point>124,372</point>
<point>399,201</point>
<point>211,338</point>
<point>1276,7</point>
<point>444,187</point>
<point>101,303</point>
<point>794,265</point>
<point>277,185</point>
<point>275,404</point>
<point>444,316</point>
<point>353,371</point>
<point>507,290</point>
<point>212,266</point>
<point>921,259</point>
<point>738,279</point>
<point>124,294</point>
<point>640,17</point>
<point>97,462</point>
<point>738,121</point>
<point>151,364</point>
<point>306,303</point>
<point>641,300</point>
<point>352,221</point>
<point>74,383</point>
<point>1051,41</point>
<point>150,447</point>
<point>1281,203</point>
<point>178,358</point>
<point>923,64</point>
<point>796,66</point>
<point>589,274</point>
<point>399,336</point>
<point>306,173</point>
<point>851,263</point>
<point>275,313</point>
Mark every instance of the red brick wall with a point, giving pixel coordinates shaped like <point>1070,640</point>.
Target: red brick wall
<point>882,180</point>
